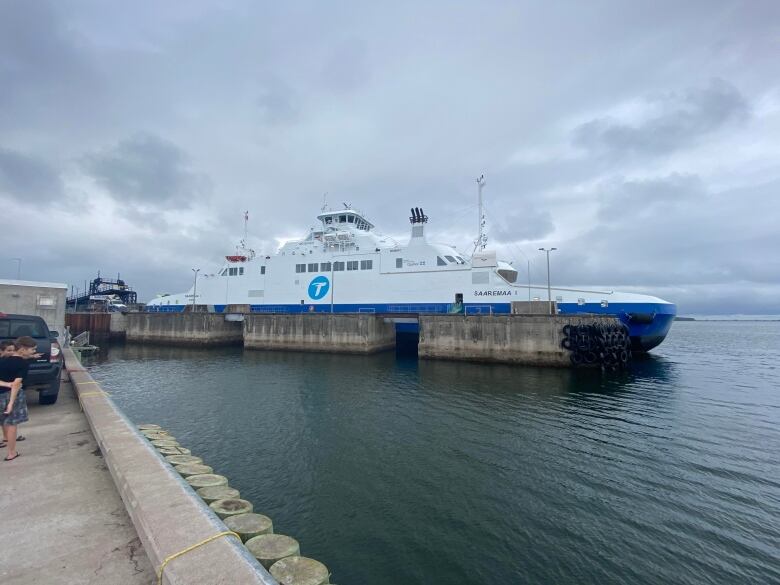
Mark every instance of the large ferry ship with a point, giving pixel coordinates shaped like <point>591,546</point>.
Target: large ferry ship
<point>345,265</point>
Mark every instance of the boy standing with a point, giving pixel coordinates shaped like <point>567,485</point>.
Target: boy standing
<point>13,406</point>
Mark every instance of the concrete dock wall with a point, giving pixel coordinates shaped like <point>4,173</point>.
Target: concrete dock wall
<point>189,329</point>
<point>118,326</point>
<point>167,514</point>
<point>339,333</point>
<point>520,339</point>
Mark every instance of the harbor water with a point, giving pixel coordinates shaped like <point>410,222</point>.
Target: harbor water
<point>390,470</point>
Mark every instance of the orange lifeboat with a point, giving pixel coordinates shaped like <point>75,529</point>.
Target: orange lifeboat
<point>235,258</point>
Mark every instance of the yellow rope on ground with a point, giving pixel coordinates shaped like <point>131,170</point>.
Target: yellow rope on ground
<point>87,394</point>
<point>193,547</point>
<point>85,383</point>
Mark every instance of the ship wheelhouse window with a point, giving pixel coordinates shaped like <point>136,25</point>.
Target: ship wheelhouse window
<point>342,219</point>
<point>440,261</point>
<point>366,264</point>
<point>300,268</point>
<point>240,270</point>
<point>313,267</point>
<point>451,259</point>
<point>224,272</point>
<point>233,271</point>
<point>509,275</point>
<point>352,264</point>
<point>350,219</point>
<point>460,260</point>
<point>338,266</point>
<point>262,270</point>
<point>399,262</point>
<point>325,267</point>
<point>328,220</point>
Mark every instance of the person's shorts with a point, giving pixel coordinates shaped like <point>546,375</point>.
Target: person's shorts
<point>19,412</point>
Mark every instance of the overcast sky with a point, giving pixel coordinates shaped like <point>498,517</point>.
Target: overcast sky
<point>642,141</point>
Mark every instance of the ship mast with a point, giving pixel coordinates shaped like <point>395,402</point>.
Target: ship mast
<point>481,241</point>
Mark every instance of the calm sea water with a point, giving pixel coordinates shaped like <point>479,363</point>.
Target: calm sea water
<point>391,470</point>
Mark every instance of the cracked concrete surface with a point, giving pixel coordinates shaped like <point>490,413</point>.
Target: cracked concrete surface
<point>61,518</point>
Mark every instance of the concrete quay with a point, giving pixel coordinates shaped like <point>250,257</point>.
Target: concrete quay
<point>62,518</point>
<point>530,337</point>
<point>534,340</point>
<point>168,516</point>
<point>186,329</point>
<point>320,332</point>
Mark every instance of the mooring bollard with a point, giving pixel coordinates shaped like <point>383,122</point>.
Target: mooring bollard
<point>165,451</point>
<point>165,443</point>
<point>299,571</point>
<point>189,469</point>
<point>157,435</point>
<point>178,459</point>
<point>218,492</point>
<point>206,480</point>
<point>230,507</point>
<point>249,525</point>
<point>270,548</point>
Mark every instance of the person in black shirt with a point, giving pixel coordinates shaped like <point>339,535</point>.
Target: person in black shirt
<point>13,407</point>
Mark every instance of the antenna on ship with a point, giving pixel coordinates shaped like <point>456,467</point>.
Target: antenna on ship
<point>246,221</point>
<point>481,241</point>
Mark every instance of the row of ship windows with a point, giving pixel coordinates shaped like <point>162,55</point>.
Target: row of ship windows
<point>237,271</point>
<point>336,267</point>
<point>339,266</point>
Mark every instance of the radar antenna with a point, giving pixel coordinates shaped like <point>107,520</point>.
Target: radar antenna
<point>481,242</point>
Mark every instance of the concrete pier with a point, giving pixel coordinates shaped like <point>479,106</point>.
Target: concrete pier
<point>186,329</point>
<point>338,333</point>
<point>61,516</point>
<point>519,339</point>
<point>167,514</point>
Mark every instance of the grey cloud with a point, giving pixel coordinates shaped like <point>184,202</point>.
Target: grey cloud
<point>147,171</point>
<point>346,67</point>
<point>27,178</point>
<point>523,224</point>
<point>684,118</point>
<point>278,103</point>
<point>46,70</point>
<point>632,199</point>
<point>686,242</point>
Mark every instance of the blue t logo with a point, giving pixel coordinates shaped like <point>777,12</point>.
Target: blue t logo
<point>319,287</point>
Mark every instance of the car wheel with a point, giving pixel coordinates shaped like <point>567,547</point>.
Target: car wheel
<point>50,394</point>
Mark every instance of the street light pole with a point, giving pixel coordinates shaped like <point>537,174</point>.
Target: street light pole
<point>195,288</point>
<point>549,293</point>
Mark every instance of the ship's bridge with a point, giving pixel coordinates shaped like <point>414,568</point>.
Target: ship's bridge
<point>346,218</point>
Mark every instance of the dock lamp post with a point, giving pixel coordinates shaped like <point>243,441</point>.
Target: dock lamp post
<point>195,287</point>
<point>549,293</point>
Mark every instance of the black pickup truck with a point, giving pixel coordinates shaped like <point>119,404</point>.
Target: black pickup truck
<point>44,373</point>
